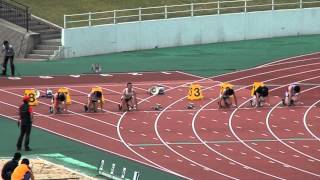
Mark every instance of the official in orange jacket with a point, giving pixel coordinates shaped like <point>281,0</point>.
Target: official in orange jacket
<point>23,171</point>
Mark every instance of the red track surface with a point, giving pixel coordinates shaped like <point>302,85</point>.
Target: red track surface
<point>206,143</point>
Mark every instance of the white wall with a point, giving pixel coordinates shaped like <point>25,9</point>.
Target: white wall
<point>132,36</point>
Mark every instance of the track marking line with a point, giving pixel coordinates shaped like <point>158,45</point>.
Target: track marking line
<point>63,122</point>
<point>291,142</point>
<point>179,160</point>
<point>215,151</point>
<point>88,144</point>
<point>230,125</point>
<point>141,155</point>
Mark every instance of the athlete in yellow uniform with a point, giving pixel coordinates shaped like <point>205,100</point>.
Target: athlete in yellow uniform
<point>226,95</point>
<point>95,99</point>
<point>259,94</point>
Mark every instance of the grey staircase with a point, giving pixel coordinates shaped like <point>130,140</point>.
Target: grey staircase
<point>50,39</point>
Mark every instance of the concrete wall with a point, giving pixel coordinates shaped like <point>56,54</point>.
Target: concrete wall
<point>132,36</point>
<point>17,36</point>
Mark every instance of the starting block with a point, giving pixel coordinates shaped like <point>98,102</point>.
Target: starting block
<point>195,92</point>
<point>49,93</point>
<point>190,106</point>
<point>156,90</point>
<point>157,107</point>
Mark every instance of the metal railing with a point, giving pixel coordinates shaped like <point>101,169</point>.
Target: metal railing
<point>182,10</point>
<point>15,13</point>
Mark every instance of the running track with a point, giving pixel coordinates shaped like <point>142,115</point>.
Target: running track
<point>272,142</point>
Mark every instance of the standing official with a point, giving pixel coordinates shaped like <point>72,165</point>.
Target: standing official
<point>25,124</point>
<point>8,55</point>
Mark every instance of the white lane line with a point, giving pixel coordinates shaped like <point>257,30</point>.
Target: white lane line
<point>193,126</point>
<point>238,138</point>
<point>87,117</point>
<point>63,122</point>
<point>305,120</point>
<point>291,142</point>
<point>121,118</point>
<point>81,92</point>
<point>80,141</point>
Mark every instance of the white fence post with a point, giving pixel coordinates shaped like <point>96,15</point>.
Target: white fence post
<point>301,4</point>
<point>64,21</point>
<point>272,4</point>
<point>192,13</point>
<point>89,18</point>
<point>245,6</point>
<point>140,18</point>
<point>114,16</point>
<point>165,12</point>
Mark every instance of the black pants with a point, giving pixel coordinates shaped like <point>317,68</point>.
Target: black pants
<point>4,65</point>
<point>25,130</point>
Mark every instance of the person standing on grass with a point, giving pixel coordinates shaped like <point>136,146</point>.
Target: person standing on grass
<point>10,166</point>
<point>25,124</point>
<point>23,171</point>
<point>8,56</point>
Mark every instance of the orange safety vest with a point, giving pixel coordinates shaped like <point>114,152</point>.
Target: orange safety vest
<point>19,172</point>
